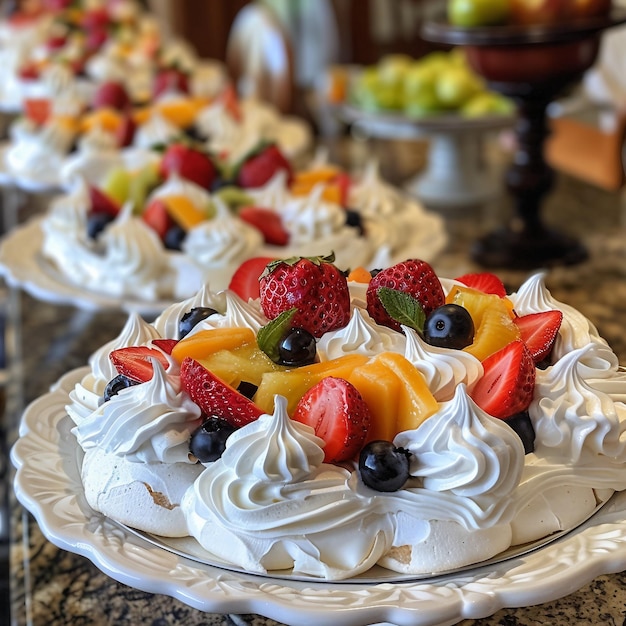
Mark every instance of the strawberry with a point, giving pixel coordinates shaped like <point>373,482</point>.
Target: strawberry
<point>125,132</point>
<point>245,280</point>
<point>157,217</point>
<point>111,94</point>
<point>37,109</point>
<point>261,165</point>
<point>268,222</point>
<point>134,362</point>
<point>413,277</point>
<point>191,164</point>
<point>29,71</point>
<point>102,203</point>
<point>214,396</point>
<point>539,331</point>
<point>335,409</point>
<point>314,286</point>
<point>508,382</point>
<point>170,79</point>
<point>167,345</point>
<point>485,282</point>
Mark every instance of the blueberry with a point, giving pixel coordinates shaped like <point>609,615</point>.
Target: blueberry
<point>449,326</point>
<point>384,467</point>
<point>115,385</point>
<point>193,317</point>
<point>209,441</point>
<point>247,389</point>
<point>97,222</point>
<point>174,237</point>
<point>521,424</point>
<point>354,219</point>
<point>297,348</point>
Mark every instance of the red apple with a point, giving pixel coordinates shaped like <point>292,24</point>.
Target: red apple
<point>111,94</point>
<point>532,12</point>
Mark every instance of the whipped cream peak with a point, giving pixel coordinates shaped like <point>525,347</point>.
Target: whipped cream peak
<point>443,369</point>
<point>146,423</point>
<point>572,419</point>
<point>274,448</point>
<point>463,450</point>
<point>274,194</point>
<point>236,313</point>
<point>362,336</point>
<point>176,185</point>
<point>156,131</point>
<point>372,195</point>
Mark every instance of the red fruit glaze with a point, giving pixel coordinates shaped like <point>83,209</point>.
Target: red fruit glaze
<point>415,277</point>
<point>214,396</point>
<point>317,289</point>
<point>335,409</point>
<point>508,381</point>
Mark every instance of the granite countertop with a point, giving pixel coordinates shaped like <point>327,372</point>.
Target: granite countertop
<point>57,588</point>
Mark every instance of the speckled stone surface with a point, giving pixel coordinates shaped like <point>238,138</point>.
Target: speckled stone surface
<point>52,587</point>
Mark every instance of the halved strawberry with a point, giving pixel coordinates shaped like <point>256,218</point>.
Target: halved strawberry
<point>335,409</point>
<point>245,280</point>
<point>261,165</point>
<point>167,345</point>
<point>508,382</point>
<point>134,362</point>
<point>267,222</point>
<point>485,282</point>
<point>214,396</point>
<point>158,217</point>
<point>102,203</point>
<point>189,163</point>
<point>539,331</point>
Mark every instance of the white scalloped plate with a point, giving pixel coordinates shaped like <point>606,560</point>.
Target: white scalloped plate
<point>48,484</point>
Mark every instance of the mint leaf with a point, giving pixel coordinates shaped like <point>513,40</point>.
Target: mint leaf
<point>270,335</point>
<point>403,308</point>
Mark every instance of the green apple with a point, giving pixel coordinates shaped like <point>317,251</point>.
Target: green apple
<point>420,93</point>
<point>142,183</point>
<point>456,85</point>
<point>488,103</point>
<point>117,184</point>
<point>469,13</point>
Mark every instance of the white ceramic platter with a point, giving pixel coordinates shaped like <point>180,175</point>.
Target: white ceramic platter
<point>48,484</point>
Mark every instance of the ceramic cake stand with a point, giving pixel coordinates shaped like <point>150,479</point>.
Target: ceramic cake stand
<point>457,173</point>
<point>531,65</point>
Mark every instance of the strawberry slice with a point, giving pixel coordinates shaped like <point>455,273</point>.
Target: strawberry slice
<point>335,409</point>
<point>102,203</point>
<point>214,396</point>
<point>260,166</point>
<point>158,217</point>
<point>485,282</point>
<point>134,362</point>
<point>508,381</point>
<point>245,280</point>
<point>267,222</point>
<point>37,109</point>
<point>539,331</point>
<point>167,345</point>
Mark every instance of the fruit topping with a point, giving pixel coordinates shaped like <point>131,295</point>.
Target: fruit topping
<point>111,94</point>
<point>539,332</point>
<point>413,277</point>
<point>261,165</point>
<point>523,426</point>
<point>359,275</point>
<point>336,411</point>
<point>157,216</point>
<point>170,79</point>
<point>268,223</point>
<point>135,362</point>
<point>214,396</point>
<point>174,237</point>
<point>314,286</point>
<point>208,442</point>
<point>508,381</point>
<point>96,223</point>
<point>206,342</point>
<point>193,317</point>
<point>485,282</point>
<point>115,385</point>
<point>384,467</point>
<point>167,345</point>
<point>100,202</point>
<point>245,280</point>
<point>189,163</point>
<point>37,110</point>
<point>297,348</point>
<point>449,326</point>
